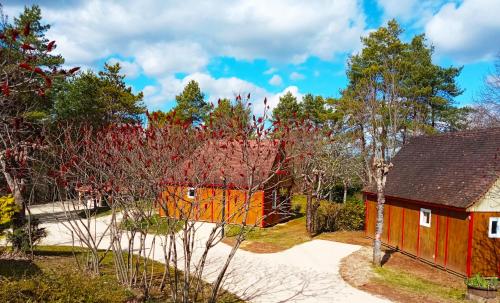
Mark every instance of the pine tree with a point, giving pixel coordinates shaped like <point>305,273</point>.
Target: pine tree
<point>191,105</point>
<point>288,109</point>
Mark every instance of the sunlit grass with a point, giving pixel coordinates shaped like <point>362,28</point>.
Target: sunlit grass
<point>406,281</point>
<point>54,277</point>
<point>281,236</point>
<point>154,225</point>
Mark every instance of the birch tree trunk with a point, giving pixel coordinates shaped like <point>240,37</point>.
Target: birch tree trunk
<point>344,199</point>
<point>381,170</point>
<point>309,212</point>
<point>368,177</point>
<point>15,185</point>
<point>312,202</point>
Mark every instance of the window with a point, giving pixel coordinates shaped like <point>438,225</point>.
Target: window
<point>191,192</point>
<point>494,228</point>
<point>275,199</point>
<point>425,217</point>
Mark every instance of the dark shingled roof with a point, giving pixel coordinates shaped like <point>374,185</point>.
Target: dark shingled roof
<point>453,169</point>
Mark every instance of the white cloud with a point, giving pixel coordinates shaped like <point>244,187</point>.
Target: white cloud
<point>272,70</point>
<point>166,36</point>
<point>276,80</point>
<point>166,58</point>
<point>493,80</point>
<point>467,32</point>
<point>149,90</point>
<point>274,99</point>
<point>162,95</point>
<point>417,11</point>
<point>130,69</point>
<point>397,8</point>
<point>214,88</point>
<point>296,76</point>
<point>229,87</point>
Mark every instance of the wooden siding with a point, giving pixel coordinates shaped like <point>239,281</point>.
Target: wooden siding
<point>207,206</point>
<point>396,222</point>
<point>371,216</point>
<point>485,257</point>
<point>441,234</point>
<point>411,230</point>
<point>427,238</point>
<point>458,235</point>
<point>444,243</point>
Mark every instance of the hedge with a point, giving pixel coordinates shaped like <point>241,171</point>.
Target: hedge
<point>347,216</point>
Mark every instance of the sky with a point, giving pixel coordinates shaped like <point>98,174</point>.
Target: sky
<point>261,47</point>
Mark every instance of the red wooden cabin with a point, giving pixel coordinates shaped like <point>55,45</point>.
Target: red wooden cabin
<point>443,202</point>
<point>222,194</point>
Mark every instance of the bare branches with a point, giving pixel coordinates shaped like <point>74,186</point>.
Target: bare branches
<point>486,110</point>
<point>25,78</point>
<point>234,174</point>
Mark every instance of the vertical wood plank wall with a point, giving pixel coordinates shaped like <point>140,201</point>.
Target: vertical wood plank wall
<point>485,250</point>
<point>395,234</point>
<point>208,206</point>
<point>410,229</point>
<point>458,235</point>
<point>444,243</point>
<point>371,214</point>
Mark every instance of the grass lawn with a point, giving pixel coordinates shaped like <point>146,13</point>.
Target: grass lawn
<point>156,225</point>
<point>271,239</point>
<point>54,277</point>
<point>286,235</point>
<point>275,238</point>
<point>418,286</point>
<point>349,237</point>
<point>97,212</point>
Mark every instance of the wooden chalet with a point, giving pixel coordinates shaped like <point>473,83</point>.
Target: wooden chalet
<point>214,185</point>
<point>443,202</point>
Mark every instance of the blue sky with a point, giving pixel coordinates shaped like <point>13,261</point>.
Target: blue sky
<point>263,47</point>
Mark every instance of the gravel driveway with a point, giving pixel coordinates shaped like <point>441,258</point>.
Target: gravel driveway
<point>308,272</point>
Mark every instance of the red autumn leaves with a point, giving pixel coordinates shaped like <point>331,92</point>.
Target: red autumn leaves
<point>5,88</point>
<point>22,42</point>
<point>50,46</point>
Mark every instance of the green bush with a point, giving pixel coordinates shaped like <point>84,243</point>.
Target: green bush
<point>296,209</point>
<point>334,216</point>
<point>8,208</point>
<point>352,216</point>
<point>20,237</point>
<point>481,282</point>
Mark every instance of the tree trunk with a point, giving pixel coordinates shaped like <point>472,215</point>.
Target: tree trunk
<point>15,186</point>
<point>433,118</point>
<point>367,171</point>
<point>20,217</point>
<point>381,170</point>
<point>309,213</point>
<point>312,203</point>
<point>344,199</point>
